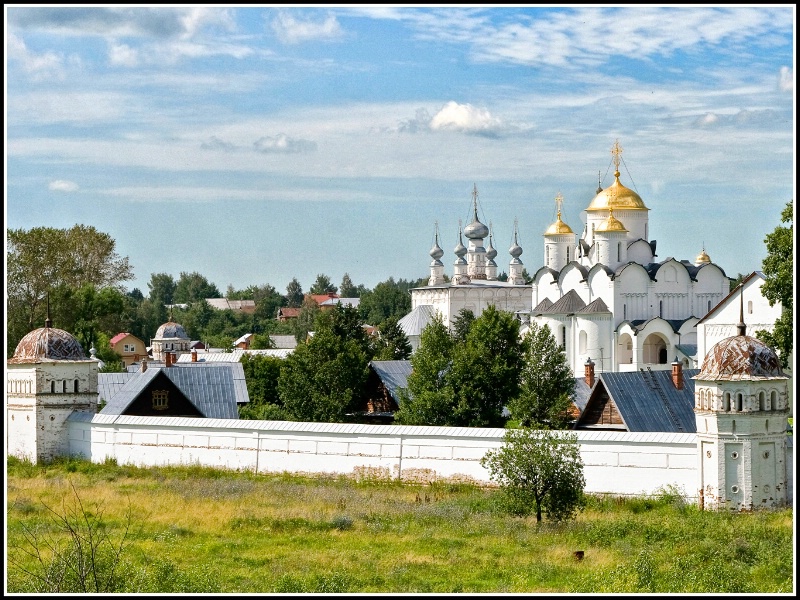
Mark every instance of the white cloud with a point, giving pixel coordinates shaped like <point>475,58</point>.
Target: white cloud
<point>292,31</point>
<point>61,185</point>
<point>40,66</point>
<point>464,118</point>
<point>787,79</point>
<point>123,55</point>
<point>707,120</point>
<point>283,144</point>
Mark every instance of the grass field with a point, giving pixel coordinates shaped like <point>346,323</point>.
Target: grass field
<point>195,529</point>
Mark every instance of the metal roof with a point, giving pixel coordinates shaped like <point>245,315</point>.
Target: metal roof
<point>569,303</point>
<point>233,356</point>
<point>598,306</point>
<point>543,306</point>
<point>649,401</point>
<point>688,350</point>
<point>215,389</point>
<point>417,320</point>
<point>283,341</point>
<point>108,384</point>
<point>393,373</point>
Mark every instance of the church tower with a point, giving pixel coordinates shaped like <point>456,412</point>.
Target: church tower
<point>515,267</point>
<point>437,267</point>
<point>460,266</point>
<point>491,254</point>
<point>47,379</point>
<point>741,410</point>
<point>611,243</point>
<point>475,232</point>
<point>559,241</point>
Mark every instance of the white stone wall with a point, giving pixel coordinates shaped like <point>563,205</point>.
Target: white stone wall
<point>617,463</point>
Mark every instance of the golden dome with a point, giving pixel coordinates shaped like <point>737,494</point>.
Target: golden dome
<point>611,223</point>
<point>702,258</point>
<point>558,227</point>
<point>618,197</point>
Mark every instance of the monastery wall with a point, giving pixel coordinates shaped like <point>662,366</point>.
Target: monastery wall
<point>617,463</point>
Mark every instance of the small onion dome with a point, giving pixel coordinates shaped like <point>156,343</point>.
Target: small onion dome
<point>436,252</point>
<point>740,357</point>
<point>515,249</point>
<point>702,258</point>
<point>618,197</point>
<point>611,223</point>
<point>47,343</point>
<point>460,250</point>
<point>558,227</point>
<point>491,253</point>
<point>171,330</point>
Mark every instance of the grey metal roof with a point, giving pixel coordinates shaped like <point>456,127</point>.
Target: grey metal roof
<point>598,306</point>
<point>108,384</point>
<point>233,356</point>
<point>688,350</point>
<point>417,320</point>
<point>281,342</point>
<point>569,303</point>
<point>393,373</point>
<point>581,394</point>
<point>543,306</point>
<point>649,401</point>
<point>215,389</point>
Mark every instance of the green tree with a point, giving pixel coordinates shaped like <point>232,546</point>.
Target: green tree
<point>261,374</point>
<point>162,288</point>
<point>462,324</point>
<point>539,471</point>
<point>387,299</point>
<point>778,268</point>
<point>306,319</point>
<point>87,312</point>
<point>322,286</point>
<point>345,323</point>
<point>192,287</point>
<point>347,289</point>
<point>428,399</point>
<point>546,382</point>
<point>43,258</point>
<point>294,293</point>
<point>319,380</point>
<point>486,369</point>
<point>392,342</point>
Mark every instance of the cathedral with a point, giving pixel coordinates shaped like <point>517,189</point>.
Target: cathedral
<point>602,293</point>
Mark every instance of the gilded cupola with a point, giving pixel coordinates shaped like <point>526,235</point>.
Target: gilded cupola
<point>616,196</point>
<point>559,227</point>
<point>611,223</point>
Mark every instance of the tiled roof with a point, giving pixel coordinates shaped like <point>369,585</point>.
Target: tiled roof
<point>569,303</point>
<point>215,389</point>
<point>597,306</point>
<point>543,306</point>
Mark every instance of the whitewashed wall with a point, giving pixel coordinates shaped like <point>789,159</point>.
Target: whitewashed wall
<point>618,463</point>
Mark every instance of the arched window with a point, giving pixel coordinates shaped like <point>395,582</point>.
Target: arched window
<point>75,387</point>
<point>709,306</point>
<point>52,387</point>
<point>582,342</point>
<point>624,312</point>
<point>619,251</point>
<point>749,307</point>
<point>762,401</point>
<point>564,337</point>
<point>738,402</point>
<point>661,308</point>
<point>64,386</point>
<point>726,401</point>
<point>773,400</point>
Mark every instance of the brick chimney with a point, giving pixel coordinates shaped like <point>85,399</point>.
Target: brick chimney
<point>588,369</point>
<point>144,365</point>
<point>167,359</point>
<point>194,355</point>
<point>677,374</point>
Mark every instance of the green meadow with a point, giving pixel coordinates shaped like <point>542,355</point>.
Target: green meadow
<point>73,526</point>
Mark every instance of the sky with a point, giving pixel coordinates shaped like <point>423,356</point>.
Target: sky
<point>257,144</point>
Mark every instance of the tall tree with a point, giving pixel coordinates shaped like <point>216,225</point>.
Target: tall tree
<point>347,289</point>
<point>539,471</point>
<point>778,268</point>
<point>43,258</point>
<point>547,382</point>
<point>462,324</point>
<point>322,285</point>
<point>392,342</point>
<point>261,374</point>
<point>387,299</point>
<point>486,369</point>
<point>428,399</point>
<point>319,381</point>
<point>294,293</point>
<point>192,287</point>
<point>162,288</point>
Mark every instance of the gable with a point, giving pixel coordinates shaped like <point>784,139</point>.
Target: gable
<point>161,397</point>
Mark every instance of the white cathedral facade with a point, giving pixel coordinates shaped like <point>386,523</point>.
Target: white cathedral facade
<point>603,294</point>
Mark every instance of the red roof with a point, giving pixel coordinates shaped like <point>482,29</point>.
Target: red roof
<point>320,298</point>
<point>118,338</point>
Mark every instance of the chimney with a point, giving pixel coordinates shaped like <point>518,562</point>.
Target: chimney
<point>194,355</point>
<point>167,359</point>
<point>588,369</point>
<point>677,374</point>
<point>144,365</point>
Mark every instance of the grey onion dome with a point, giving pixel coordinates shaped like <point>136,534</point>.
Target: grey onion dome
<point>460,250</point>
<point>515,249</point>
<point>171,330</point>
<point>491,253</point>
<point>740,357</point>
<point>47,343</point>
<point>476,230</point>
<point>436,252</point>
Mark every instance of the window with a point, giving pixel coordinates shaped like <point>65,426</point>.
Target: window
<point>726,401</point>
<point>75,386</point>
<point>661,308</point>
<point>547,254</point>
<point>749,307</point>
<point>64,386</point>
<point>624,312</point>
<point>129,347</point>
<point>160,399</point>
<point>762,401</point>
<point>564,337</point>
<point>619,251</point>
<point>52,387</point>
